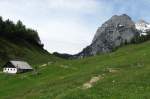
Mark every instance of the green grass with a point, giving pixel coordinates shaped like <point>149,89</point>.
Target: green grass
<point>63,79</point>
<point>24,51</point>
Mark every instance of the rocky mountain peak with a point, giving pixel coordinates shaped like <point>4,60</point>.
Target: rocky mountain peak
<point>115,22</point>
<point>143,27</point>
<point>125,16</point>
<point>119,29</point>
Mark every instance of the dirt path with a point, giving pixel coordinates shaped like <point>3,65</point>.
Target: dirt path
<point>94,79</point>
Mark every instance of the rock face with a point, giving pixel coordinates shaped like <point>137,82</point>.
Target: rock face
<point>143,27</point>
<point>116,31</point>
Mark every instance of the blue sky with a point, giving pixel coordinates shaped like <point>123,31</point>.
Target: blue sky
<point>67,26</point>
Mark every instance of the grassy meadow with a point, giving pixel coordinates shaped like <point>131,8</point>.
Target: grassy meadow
<point>123,74</point>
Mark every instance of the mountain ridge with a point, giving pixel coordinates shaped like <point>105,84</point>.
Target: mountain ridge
<point>117,31</point>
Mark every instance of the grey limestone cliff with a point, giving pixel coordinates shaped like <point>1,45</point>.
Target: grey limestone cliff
<point>118,30</point>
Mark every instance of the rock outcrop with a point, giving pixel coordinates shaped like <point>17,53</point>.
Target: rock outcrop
<point>113,33</point>
<point>143,27</point>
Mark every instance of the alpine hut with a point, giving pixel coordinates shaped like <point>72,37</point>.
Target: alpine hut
<point>16,67</point>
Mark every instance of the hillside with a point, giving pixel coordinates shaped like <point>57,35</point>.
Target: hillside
<point>19,42</point>
<point>30,53</point>
<point>123,74</point>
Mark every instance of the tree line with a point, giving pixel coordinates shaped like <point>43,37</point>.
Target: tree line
<point>18,31</point>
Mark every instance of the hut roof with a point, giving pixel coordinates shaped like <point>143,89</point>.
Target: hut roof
<point>21,64</point>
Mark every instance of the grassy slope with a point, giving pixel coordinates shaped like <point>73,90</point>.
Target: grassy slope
<point>33,54</point>
<point>63,79</point>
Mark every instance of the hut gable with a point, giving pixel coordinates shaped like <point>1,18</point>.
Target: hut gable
<point>8,65</point>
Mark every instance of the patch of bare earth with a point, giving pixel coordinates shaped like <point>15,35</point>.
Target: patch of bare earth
<point>64,66</point>
<point>91,82</point>
<point>46,64</point>
<point>113,70</point>
<point>43,65</point>
<point>68,67</point>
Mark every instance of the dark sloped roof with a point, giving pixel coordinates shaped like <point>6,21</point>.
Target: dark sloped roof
<point>21,64</point>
